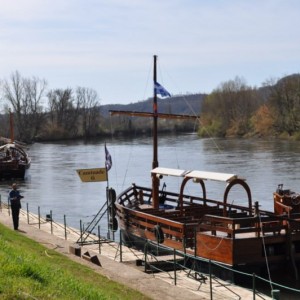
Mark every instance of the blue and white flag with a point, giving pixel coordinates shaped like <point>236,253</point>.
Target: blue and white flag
<point>108,160</point>
<point>160,90</point>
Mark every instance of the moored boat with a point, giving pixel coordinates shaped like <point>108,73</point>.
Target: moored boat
<point>14,160</point>
<point>239,236</point>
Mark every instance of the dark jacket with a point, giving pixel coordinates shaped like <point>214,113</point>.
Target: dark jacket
<point>15,197</point>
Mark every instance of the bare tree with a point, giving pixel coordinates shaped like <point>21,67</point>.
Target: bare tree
<point>25,96</point>
<point>64,113</point>
<point>88,101</point>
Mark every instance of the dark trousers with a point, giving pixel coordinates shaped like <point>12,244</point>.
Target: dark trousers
<point>15,211</point>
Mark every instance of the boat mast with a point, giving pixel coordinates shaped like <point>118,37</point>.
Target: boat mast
<point>155,180</point>
<point>154,115</point>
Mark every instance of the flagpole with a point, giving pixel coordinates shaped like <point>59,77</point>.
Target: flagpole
<point>107,189</point>
<point>155,180</point>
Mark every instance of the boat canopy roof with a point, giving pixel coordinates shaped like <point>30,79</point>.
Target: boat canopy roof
<point>7,146</point>
<point>211,176</point>
<point>169,172</point>
<point>201,175</point>
<point>14,147</point>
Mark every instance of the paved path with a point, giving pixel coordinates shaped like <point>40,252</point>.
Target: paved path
<point>158,286</point>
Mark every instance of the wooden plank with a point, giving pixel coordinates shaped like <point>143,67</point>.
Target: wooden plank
<point>215,248</point>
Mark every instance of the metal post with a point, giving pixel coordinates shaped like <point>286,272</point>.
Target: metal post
<point>39,214</point>
<point>0,204</point>
<point>210,281</point>
<point>145,253</point>
<point>121,243</point>
<point>184,250</point>
<point>51,222</point>
<point>195,241</point>
<point>65,225</point>
<point>27,209</point>
<point>99,239</point>
<point>107,212</point>
<point>253,285</point>
<point>81,231</point>
<point>175,278</point>
<point>8,206</point>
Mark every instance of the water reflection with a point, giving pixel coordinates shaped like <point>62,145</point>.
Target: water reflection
<point>53,184</point>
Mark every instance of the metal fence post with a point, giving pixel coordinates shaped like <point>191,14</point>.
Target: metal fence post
<point>8,206</point>
<point>145,253</point>
<point>27,209</point>
<point>39,214</point>
<point>121,243</point>
<point>81,231</point>
<point>253,285</point>
<point>99,237</point>
<point>175,278</point>
<point>65,225</point>
<point>51,223</point>
<point>210,281</point>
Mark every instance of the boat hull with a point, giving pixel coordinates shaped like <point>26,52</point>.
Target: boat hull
<point>7,173</point>
<point>237,240</point>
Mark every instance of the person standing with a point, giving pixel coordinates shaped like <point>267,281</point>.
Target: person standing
<point>15,203</point>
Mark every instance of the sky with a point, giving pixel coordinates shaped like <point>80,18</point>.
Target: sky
<point>108,45</point>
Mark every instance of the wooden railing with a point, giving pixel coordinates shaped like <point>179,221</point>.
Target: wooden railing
<point>253,226</point>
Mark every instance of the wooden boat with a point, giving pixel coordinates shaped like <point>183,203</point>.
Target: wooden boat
<point>14,160</point>
<point>241,237</point>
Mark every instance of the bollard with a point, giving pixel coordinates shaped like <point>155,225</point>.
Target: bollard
<point>276,294</point>
<point>75,249</point>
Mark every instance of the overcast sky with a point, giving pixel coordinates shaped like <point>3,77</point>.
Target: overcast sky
<point>108,45</point>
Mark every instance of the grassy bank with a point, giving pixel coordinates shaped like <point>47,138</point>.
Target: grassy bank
<point>28,270</point>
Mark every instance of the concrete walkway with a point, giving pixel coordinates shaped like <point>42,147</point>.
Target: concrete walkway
<point>158,286</point>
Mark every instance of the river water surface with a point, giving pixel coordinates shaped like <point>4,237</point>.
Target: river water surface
<point>52,182</point>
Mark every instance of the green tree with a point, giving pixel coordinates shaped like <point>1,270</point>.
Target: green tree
<point>228,109</point>
<point>285,101</point>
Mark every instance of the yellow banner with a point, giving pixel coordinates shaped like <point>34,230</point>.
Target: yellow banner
<point>92,175</point>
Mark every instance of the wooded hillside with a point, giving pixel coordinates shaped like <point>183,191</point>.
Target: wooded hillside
<point>232,109</point>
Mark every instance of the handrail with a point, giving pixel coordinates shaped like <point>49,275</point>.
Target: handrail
<point>86,233</point>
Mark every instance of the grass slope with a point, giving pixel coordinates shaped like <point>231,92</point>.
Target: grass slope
<point>30,271</point>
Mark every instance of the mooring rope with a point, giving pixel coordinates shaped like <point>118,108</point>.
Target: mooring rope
<point>265,250</point>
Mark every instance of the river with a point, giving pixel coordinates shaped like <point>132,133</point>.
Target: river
<point>52,182</point>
